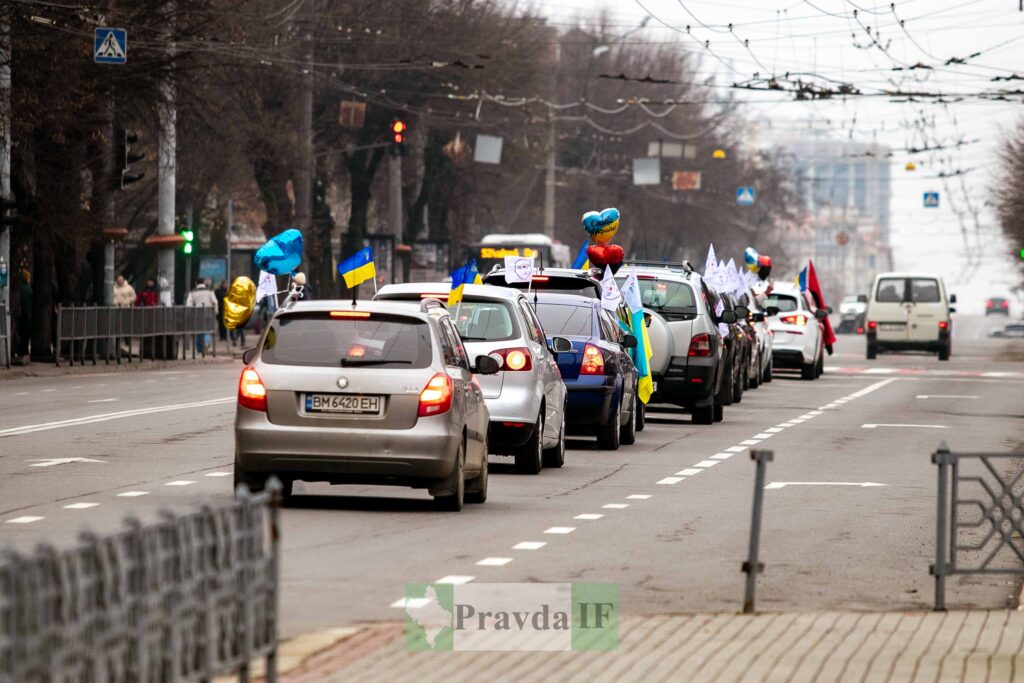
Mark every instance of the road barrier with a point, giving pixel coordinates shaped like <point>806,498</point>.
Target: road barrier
<point>186,598</point>
<point>5,339</point>
<point>753,566</point>
<point>985,524</point>
<point>100,331</point>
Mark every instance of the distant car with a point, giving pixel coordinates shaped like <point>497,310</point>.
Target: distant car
<point>1013,331</point>
<point>758,322</point>
<point>365,393</point>
<point>526,398</point>
<point>851,312</point>
<point>598,373</point>
<point>910,312</point>
<point>798,333</point>
<point>740,344</point>
<point>997,304</point>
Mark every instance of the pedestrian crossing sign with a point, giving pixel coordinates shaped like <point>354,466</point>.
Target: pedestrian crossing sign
<point>745,196</point>
<point>111,46</point>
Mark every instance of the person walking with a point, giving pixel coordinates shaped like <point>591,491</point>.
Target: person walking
<point>148,296</point>
<point>221,293</point>
<point>202,297</point>
<point>124,293</point>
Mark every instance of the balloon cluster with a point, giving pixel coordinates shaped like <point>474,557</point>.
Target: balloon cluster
<point>757,263</point>
<point>601,227</point>
<point>280,255</point>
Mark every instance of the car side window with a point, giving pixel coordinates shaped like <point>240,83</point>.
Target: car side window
<point>609,328</point>
<point>533,329</point>
<point>461,356</point>
<point>447,348</point>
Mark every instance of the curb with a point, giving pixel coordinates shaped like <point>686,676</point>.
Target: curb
<point>293,653</point>
<point>47,370</point>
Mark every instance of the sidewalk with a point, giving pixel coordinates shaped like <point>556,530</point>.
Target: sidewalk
<point>51,370</point>
<point>819,647</point>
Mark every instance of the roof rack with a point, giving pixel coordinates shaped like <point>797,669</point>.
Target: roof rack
<point>685,265</point>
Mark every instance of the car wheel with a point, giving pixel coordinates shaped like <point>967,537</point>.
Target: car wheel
<point>253,482</point>
<point>727,388</point>
<point>737,387</point>
<point>755,379</point>
<point>767,375</point>
<point>627,433</point>
<point>641,416</point>
<point>809,370</point>
<point>608,434</point>
<point>819,369</point>
<point>555,457</point>
<point>530,458</point>
<point>705,415</point>
<point>476,489</point>
<point>944,351</point>
<point>745,375</point>
<point>719,412</point>
<point>455,484</point>
<point>872,351</point>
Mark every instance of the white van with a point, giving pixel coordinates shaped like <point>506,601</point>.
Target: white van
<point>909,311</point>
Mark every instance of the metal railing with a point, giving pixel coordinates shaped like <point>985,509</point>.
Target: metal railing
<point>186,598</point>
<point>5,339</point>
<point>99,332</point>
<point>982,511</point>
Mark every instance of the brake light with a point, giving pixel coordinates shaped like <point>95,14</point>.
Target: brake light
<point>434,295</point>
<point>646,277</point>
<point>436,397</point>
<point>593,361</point>
<point>251,392</point>
<point>700,345</point>
<point>798,320</point>
<point>943,324</point>
<point>350,314</point>
<point>1005,304</point>
<point>357,351</point>
<point>517,359</point>
<point>540,278</point>
<point>860,330</point>
<point>872,325</point>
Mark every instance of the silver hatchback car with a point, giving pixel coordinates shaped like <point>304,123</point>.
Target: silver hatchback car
<point>526,399</point>
<point>364,393</point>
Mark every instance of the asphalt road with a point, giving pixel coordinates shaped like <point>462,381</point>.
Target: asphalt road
<point>667,519</point>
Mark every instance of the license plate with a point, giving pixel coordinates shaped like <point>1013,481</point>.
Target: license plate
<point>343,404</point>
<point>893,327</point>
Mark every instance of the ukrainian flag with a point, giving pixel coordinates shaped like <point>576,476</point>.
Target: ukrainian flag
<point>642,358</point>
<point>459,279</point>
<point>801,280</point>
<point>474,278</point>
<point>582,262</point>
<point>358,268</point>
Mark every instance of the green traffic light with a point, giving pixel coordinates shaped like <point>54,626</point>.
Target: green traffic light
<point>188,235</point>
<point>1022,253</point>
<point>188,248</point>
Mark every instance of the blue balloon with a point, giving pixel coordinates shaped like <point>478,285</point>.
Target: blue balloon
<point>282,253</point>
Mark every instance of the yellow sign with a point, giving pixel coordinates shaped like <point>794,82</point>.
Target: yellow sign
<point>502,252</point>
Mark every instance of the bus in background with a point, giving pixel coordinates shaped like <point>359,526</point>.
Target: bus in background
<point>492,250</point>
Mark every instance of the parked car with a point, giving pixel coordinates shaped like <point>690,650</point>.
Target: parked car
<point>526,398</point>
<point>758,322</point>
<point>364,393</point>
<point>997,304</point>
<point>910,311</point>
<point>689,365</point>
<point>851,312</point>
<point>598,373</point>
<point>1011,331</point>
<point>798,332</point>
<point>740,344</point>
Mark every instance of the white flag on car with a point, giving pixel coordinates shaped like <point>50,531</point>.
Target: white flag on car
<point>267,286</point>
<point>710,263</point>
<point>631,293</point>
<point>518,269</point>
<point>610,294</point>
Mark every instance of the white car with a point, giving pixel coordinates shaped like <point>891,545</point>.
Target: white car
<point>910,311</point>
<point>798,335</point>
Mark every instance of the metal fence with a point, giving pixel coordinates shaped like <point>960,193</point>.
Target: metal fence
<point>187,598</point>
<point>981,508</point>
<point>165,332</point>
<point>5,339</point>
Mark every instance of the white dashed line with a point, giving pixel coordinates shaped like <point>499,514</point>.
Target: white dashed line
<point>180,482</point>
<point>706,463</point>
<point>80,506</point>
<point>736,449</point>
<point>46,391</point>
<point>763,435</point>
<point>615,506</point>
<point>217,474</point>
<point>529,545</point>
<point>786,424</point>
<point>494,561</point>
<point>722,456</point>
<point>589,515</point>
<point>688,472</point>
<point>638,496</point>
<point>750,442</point>
<point>132,494</point>
<point>103,400</point>
<point>27,519</point>
<point>814,412</point>
<point>560,530</point>
<point>22,393</point>
<point>669,481</point>
<point>773,430</point>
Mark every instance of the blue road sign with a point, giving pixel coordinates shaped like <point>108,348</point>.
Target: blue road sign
<point>111,46</point>
<point>931,200</point>
<point>745,196</point>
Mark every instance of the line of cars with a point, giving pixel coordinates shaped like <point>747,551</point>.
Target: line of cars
<point>408,390</point>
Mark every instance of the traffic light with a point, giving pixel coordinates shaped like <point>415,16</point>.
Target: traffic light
<point>125,157</point>
<point>398,132</point>
<point>189,236</point>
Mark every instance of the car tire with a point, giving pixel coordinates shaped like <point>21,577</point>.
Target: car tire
<point>253,482</point>
<point>737,387</point>
<point>555,457</point>
<point>819,369</point>
<point>456,482</point>
<point>944,351</point>
<point>530,457</point>
<point>641,416</point>
<point>705,415</point>
<point>627,432</point>
<point>767,375</point>
<point>476,489</point>
<point>809,371</point>
<point>755,381</point>
<point>872,351</point>
<point>719,413</point>
<point>727,388</point>
<point>608,434</point>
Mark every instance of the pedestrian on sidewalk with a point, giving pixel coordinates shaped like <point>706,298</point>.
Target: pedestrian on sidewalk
<point>124,293</point>
<point>23,320</point>
<point>148,296</point>
<point>202,297</point>
<point>221,292</point>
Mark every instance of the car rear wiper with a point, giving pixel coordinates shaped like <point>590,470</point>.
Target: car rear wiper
<point>471,339</point>
<point>357,362</point>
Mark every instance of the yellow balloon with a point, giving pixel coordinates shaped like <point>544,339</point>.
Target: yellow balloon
<point>605,234</point>
<point>239,303</point>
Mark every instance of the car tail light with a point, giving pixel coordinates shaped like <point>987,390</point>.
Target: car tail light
<point>436,397</point>
<point>540,278</point>
<point>860,330</point>
<point>434,295</point>
<point>1005,304</point>
<point>517,359</point>
<point>350,314</point>
<point>872,325</point>
<point>646,277</point>
<point>357,351</point>
<point>593,361</point>
<point>798,320</point>
<point>700,345</point>
<point>943,324</point>
<point>251,392</point>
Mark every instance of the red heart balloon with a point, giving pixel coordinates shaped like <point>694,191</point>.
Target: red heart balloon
<point>605,254</point>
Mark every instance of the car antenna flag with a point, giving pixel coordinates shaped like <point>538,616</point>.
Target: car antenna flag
<point>358,268</point>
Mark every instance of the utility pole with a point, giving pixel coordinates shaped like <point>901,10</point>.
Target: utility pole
<point>5,158</point>
<point>166,168</point>
<point>106,209</point>
<point>549,181</point>
<point>227,239</point>
<point>395,210</point>
<point>304,172</point>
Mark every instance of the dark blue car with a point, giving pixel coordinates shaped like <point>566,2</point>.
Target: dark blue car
<point>599,373</point>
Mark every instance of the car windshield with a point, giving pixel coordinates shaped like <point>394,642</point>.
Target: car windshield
<point>484,320</point>
<point>568,319</point>
<point>666,295</point>
<point>322,340</point>
<point>783,302</point>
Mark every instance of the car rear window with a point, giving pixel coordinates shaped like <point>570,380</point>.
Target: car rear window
<point>484,320</point>
<point>319,340</point>
<point>566,319</point>
<point>784,303</point>
<point>666,294</point>
<point>554,284</point>
<point>890,290</point>
<point>925,291</point>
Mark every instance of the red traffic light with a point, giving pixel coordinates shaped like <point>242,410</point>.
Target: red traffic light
<point>398,127</point>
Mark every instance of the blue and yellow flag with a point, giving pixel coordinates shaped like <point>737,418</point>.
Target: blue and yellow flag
<point>358,268</point>
<point>582,262</point>
<point>466,275</point>
<point>801,280</point>
<point>474,274</point>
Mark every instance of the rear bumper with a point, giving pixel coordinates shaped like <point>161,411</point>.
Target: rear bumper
<point>590,404</point>
<point>687,382</point>
<point>519,400</point>
<point>933,345</point>
<point>793,352</point>
<point>409,457</point>
<point>504,437</point>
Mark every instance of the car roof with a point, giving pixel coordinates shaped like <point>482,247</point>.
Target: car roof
<point>443,288</point>
<point>786,288</point>
<point>326,305</point>
<point>667,270</point>
<point>932,276</point>
<point>566,299</point>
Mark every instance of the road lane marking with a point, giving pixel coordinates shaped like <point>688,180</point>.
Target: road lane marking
<point>179,482</point>
<point>688,472</point>
<point>638,496</point>
<point>871,387</point>
<point>874,426</point>
<point>774,430</point>
<point>589,515</point>
<point>762,435</point>
<point>615,506</point>
<point>529,545</point>
<point>46,391</point>
<point>814,412</point>
<point>103,400</point>
<point>560,530</point>
<point>80,506</point>
<point>494,561</point>
<point>943,396</point>
<point>782,484</point>
<point>26,519</point>
<point>60,461</point>
<point>74,422</point>
<point>722,456</point>
<point>1000,374</point>
<point>784,425</point>
<point>669,481</point>
<point>217,474</point>
<point>455,579</point>
<point>736,449</point>
<point>750,442</point>
<point>22,393</point>
<point>706,463</point>
<point>880,371</point>
<point>132,494</point>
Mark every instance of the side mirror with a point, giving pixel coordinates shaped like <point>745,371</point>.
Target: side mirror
<point>629,342</point>
<point>249,355</point>
<point>742,311</point>
<point>952,298</point>
<point>758,317</point>
<point>773,310</point>
<point>728,317</point>
<point>485,365</point>
<point>647,319</point>
<point>952,309</point>
<point>821,313</point>
<point>561,345</point>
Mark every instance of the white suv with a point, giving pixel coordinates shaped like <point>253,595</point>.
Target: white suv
<point>798,335</point>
